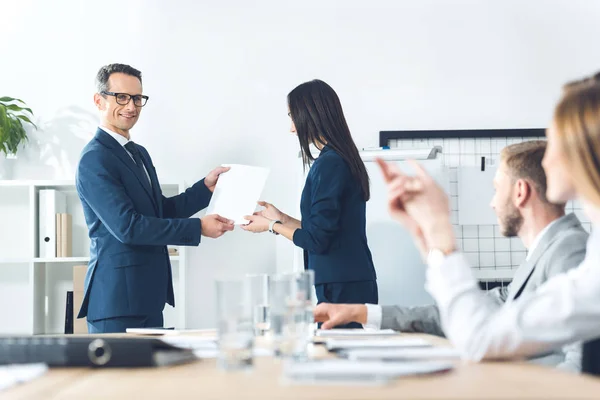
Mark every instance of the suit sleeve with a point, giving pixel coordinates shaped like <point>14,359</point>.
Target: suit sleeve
<point>188,203</point>
<point>424,319</point>
<point>327,187</point>
<point>99,186</point>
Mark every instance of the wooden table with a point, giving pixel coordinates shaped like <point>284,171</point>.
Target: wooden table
<point>203,380</point>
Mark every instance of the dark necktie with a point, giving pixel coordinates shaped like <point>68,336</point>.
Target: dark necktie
<point>135,152</point>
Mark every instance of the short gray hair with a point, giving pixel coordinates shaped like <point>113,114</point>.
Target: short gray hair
<point>106,71</point>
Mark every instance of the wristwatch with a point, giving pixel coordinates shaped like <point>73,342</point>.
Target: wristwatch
<point>272,224</point>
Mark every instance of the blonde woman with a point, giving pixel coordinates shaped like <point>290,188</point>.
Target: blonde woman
<point>565,309</point>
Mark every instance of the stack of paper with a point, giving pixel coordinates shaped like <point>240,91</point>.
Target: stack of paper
<point>13,374</point>
<point>407,353</point>
<point>352,372</point>
<point>343,344</point>
<point>356,332</point>
<point>206,333</point>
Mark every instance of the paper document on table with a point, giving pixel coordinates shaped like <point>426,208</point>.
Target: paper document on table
<point>408,353</point>
<point>356,332</point>
<point>237,192</point>
<point>342,344</point>
<point>169,332</point>
<point>191,342</point>
<point>14,374</point>
<point>354,372</point>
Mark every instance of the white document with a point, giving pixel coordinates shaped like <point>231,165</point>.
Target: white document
<point>14,374</point>
<point>409,353</point>
<point>352,371</point>
<point>192,342</point>
<point>170,332</point>
<point>51,202</point>
<point>475,192</point>
<point>237,192</point>
<point>343,344</point>
<point>356,332</point>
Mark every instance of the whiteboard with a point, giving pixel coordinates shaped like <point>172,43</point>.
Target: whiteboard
<point>400,269</point>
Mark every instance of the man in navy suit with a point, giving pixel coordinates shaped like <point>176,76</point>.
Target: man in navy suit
<point>130,222</point>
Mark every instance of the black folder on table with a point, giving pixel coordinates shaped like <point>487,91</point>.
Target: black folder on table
<point>91,351</point>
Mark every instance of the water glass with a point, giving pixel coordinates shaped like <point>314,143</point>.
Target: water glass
<point>259,298</point>
<point>235,324</point>
<point>292,325</point>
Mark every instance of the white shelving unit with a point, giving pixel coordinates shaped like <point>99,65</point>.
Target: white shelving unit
<point>33,290</point>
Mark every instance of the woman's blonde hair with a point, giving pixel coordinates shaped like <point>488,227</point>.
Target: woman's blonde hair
<point>577,121</point>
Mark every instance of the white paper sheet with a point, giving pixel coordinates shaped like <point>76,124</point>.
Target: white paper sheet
<point>237,192</point>
<point>475,191</point>
<point>356,332</point>
<point>14,374</point>
<point>342,344</point>
<point>191,342</point>
<point>409,353</point>
<point>346,370</point>
<point>169,332</point>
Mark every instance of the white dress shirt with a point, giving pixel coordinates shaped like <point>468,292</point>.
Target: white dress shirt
<point>122,140</point>
<point>538,239</point>
<point>564,310</point>
<point>374,311</point>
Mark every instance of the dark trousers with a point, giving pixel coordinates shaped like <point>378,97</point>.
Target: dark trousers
<point>348,293</point>
<point>120,324</point>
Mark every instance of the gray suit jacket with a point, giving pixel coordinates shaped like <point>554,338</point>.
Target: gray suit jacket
<point>560,249</point>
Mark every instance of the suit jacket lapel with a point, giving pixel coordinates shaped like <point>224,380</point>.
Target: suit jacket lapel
<point>122,154</point>
<point>526,269</point>
<point>522,275</point>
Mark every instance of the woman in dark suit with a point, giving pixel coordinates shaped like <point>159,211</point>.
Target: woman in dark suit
<point>332,231</point>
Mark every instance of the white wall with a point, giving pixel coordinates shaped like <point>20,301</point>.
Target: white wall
<point>218,75</point>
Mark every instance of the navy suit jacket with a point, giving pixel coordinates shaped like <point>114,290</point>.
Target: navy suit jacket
<point>333,233</point>
<point>130,224</point>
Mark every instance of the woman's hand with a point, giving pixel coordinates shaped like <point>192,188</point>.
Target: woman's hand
<point>271,212</point>
<point>257,223</point>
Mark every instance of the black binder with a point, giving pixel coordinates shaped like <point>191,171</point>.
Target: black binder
<point>590,358</point>
<point>69,313</point>
<point>91,351</point>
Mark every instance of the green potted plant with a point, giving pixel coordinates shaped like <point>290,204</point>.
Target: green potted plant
<point>14,113</point>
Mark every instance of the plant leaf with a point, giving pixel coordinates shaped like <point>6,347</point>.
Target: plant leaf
<point>24,118</point>
<point>14,107</point>
<point>7,99</point>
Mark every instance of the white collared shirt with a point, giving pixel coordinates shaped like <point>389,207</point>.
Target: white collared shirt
<point>564,310</point>
<point>539,237</point>
<point>122,140</point>
<point>374,311</point>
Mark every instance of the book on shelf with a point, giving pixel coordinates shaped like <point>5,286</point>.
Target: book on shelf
<point>64,235</point>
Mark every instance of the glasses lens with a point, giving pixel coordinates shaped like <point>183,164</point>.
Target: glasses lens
<point>139,101</point>
<point>122,99</point>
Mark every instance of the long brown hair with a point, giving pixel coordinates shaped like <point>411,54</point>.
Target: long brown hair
<point>577,120</point>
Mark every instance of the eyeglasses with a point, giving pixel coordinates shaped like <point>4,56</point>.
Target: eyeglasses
<point>124,98</point>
